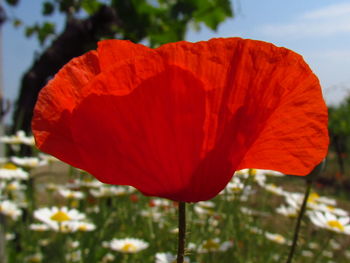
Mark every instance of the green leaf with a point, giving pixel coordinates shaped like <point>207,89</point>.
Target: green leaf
<point>12,2</point>
<point>45,31</point>
<point>90,6</point>
<point>16,22</point>
<point>48,8</point>
<point>30,30</point>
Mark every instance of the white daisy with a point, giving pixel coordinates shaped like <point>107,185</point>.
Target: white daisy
<point>56,218</point>
<point>39,227</point>
<point>339,224</point>
<point>234,186</point>
<point>214,245</point>
<point>328,208</point>
<point>168,258</point>
<point>86,182</point>
<point>10,209</point>
<point>107,191</point>
<point>307,253</point>
<point>160,202</point>
<point>73,256</point>
<point>70,194</point>
<point>128,245</point>
<point>28,162</point>
<point>274,189</point>
<point>288,211</point>
<point>277,238</point>
<point>19,138</point>
<point>14,186</point>
<point>200,211</point>
<point>35,258</point>
<point>48,158</point>
<point>12,172</point>
<point>108,258</point>
<point>155,215</point>
<point>82,226</point>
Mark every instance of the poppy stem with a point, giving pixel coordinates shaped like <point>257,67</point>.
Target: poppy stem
<point>300,216</point>
<point>182,232</point>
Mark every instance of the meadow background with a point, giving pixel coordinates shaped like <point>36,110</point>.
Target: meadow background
<point>52,212</point>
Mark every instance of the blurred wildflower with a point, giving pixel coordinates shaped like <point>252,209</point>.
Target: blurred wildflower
<point>70,194</point>
<point>12,172</point>
<point>15,186</point>
<point>108,191</point>
<point>288,211</point>
<point>59,219</point>
<point>35,258</point>
<point>168,258</point>
<point>28,162</point>
<point>277,238</point>
<point>334,244</point>
<point>328,254</point>
<point>160,203</point>
<point>48,158</point>
<point>155,215</point>
<point>73,256</point>
<point>10,236</point>
<point>234,186</point>
<point>307,253</point>
<point>274,189</point>
<point>80,226</point>
<point>107,258</point>
<point>10,209</point>
<point>39,227</point>
<point>19,138</point>
<point>214,245</point>
<point>326,220</point>
<point>127,245</point>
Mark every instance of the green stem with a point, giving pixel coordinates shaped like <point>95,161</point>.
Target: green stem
<point>300,216</point>
<point>182,232</point>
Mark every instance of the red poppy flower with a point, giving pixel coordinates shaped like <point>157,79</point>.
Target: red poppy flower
<point>177,121</point>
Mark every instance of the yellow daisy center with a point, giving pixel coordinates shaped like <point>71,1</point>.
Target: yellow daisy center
<point>210,245</point>
<point>279,238</point>
<point>335,224</point>
<point>9,166</point>
<point>252,172</point>
<point>313,198</point>
<point>11,187</point>
<point>60,216</point>
<point>128,247</point>
<point>82,228</point>
<point>331,208</point>
<point>35,259</point>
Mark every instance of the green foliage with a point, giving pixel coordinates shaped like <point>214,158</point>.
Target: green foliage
<point>212,13</point>
<point>48,8</point>
<point>90,6</point>
<point>157,21</point>
<point>43,31</point>
<point>12,2</point>
<point>339,119</point>
<point>16,22</point>
<point>167,21</point>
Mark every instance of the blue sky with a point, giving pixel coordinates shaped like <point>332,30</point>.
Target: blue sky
<point>317,29</point>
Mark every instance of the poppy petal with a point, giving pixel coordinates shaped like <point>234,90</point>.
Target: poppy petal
<point>283,115</point>
<point>51,121</point>
<point>177,121</point>
<point>151,137</point>
<point>112,52</point>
